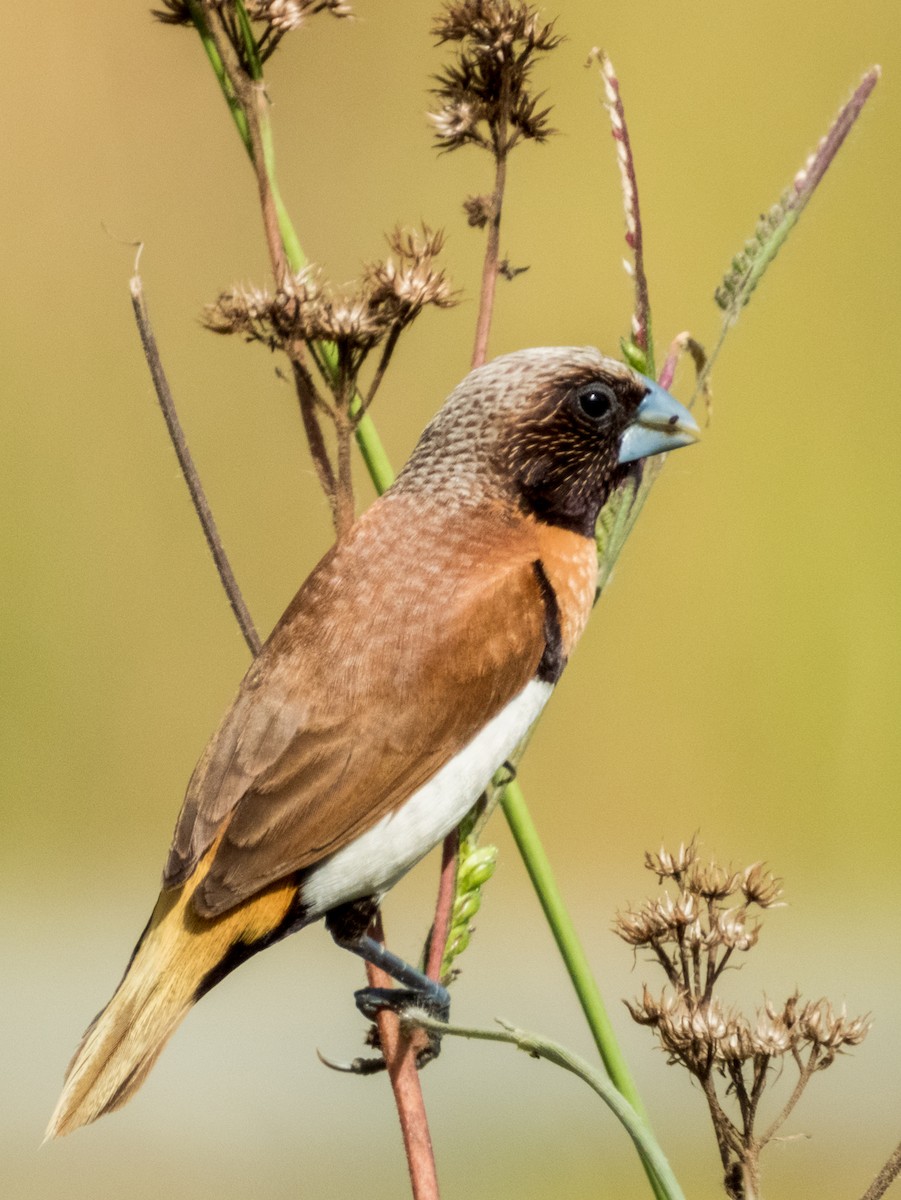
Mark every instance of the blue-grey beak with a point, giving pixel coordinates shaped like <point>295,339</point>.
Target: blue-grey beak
<point>660,424</point>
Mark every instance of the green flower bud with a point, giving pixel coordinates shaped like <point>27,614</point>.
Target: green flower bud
<point>476,869</point>
<point>466,907</point>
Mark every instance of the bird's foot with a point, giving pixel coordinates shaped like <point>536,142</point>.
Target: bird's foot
<point>371,1001</point>
<point>417,991</point>
<point>435,1003</point>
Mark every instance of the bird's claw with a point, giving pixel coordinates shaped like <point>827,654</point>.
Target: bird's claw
<point>356,1066</point>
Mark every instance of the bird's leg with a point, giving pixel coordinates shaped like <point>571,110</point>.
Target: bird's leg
<point>348,925</point>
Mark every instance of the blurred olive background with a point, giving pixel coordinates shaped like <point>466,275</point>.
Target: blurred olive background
<point>742,678</point>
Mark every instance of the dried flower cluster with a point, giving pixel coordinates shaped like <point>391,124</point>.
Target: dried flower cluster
<point>698,1035</point>
<point>387,298</point>
<point>485,93</point>
<point>277,17</point>
<point>693,930</point>
<point>337,328</point>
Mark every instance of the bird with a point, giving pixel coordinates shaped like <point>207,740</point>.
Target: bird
<point>412,661</point>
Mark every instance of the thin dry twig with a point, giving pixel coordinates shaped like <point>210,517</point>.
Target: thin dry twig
<point>307,397</point>
<point>886,1176</point>
<point>188,469</point>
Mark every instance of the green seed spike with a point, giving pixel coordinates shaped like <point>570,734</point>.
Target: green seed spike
<point>634,355</point>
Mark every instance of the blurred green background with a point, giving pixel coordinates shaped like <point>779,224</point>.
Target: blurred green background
<point>742,678</point>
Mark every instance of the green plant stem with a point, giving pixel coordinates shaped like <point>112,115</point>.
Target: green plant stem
<point>539,868</point>
<point>297,260</point>
<point>234,105</point>
<point>540,1047</point>
<point>374,456</point>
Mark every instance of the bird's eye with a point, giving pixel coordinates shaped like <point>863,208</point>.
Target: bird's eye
<point>595,400</point>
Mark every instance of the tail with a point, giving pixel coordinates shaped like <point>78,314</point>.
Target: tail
<point>179,958</point>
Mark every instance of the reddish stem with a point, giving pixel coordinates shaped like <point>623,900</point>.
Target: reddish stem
<point>400,1059</point>
<point>489,269</point>
<point>641,319</point>
<point>819,162</point>
<point>250,97</point>
<point>447,887</point>
<point>682,343</point>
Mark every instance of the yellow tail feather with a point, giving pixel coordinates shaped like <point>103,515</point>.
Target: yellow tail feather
<point>179,956</point>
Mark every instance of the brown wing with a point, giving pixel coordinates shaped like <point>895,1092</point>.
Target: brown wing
<point>385,666</point>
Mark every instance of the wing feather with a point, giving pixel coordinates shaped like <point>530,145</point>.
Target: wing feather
<point>377,675</point>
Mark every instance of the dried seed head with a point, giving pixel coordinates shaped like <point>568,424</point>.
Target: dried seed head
<point>356,317</point>
<point>735,1045</point>
<point>492,26</point>
<point>284,15</point>
<point>409,281</point>
<point>821,1026</point>
<point>695,936</point>
<point>479,210</point>
<point>280,15</point>
<point>457,123</point>
<point>309,311</point>
<point>732,930</point>
<point>672,866</point>
<point>692,936</point>
<point>662,920</point>
<point>711,881</point>
<point>245,311</point>
<point>176,12</point>
<point>770,1036</point>
<point>485,92</point>
<point>761,887</point>
<point>640,928</point>
<point>691,1032</point>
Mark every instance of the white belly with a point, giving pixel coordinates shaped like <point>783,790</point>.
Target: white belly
<point>378,858</point>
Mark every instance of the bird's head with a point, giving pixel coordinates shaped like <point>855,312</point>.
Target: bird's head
<point>553,429</point>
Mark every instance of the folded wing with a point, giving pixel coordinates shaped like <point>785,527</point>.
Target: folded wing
<point>369,684</point>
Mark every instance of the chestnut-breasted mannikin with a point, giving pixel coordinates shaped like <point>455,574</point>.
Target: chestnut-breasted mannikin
<point>411,663</point>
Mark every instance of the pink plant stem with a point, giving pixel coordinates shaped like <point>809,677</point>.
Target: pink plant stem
<point>400,1059</point>
<point>447,887</point>
<point>681,343</point>
<point>641,319</point>
<point>489,270</point>
<point>808,178</point>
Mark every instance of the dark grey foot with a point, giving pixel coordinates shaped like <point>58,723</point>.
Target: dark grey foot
<point>347,926</point>
<point>372,1000</point>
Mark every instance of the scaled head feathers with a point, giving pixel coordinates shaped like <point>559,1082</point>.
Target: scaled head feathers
<point>539,429</point>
